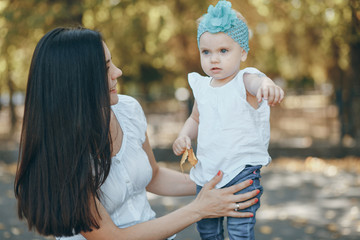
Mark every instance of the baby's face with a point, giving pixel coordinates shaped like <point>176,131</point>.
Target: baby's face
<point>220,56</point>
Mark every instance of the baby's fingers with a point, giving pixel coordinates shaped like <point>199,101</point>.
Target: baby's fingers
<point>282,95</point>
<point>178,150</point>
<point>278,96</point>
<point>262,93</point>
<point>188,143</point>
<point>271,94</point>
<point>179,146</point>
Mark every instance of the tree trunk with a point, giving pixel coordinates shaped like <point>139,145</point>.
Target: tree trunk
<point>1,104</point>
<point>13,116</point>
<point>355,70</point>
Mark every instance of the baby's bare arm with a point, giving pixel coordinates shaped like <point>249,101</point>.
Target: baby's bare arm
<point>188,132</point>
<point>262,87</point>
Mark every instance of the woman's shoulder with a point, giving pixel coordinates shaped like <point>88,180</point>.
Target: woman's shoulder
<point>126,100</point>
<point>126,103</point>
<point>131,116</point>
<point>128,106</point>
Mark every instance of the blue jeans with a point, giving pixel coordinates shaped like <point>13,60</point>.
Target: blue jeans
<point>238,228</point>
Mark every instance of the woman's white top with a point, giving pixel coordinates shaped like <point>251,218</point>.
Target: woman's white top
<point>231,133</point>
<point>124,194</point>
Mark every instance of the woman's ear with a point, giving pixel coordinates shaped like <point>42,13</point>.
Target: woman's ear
<point>243,55</point>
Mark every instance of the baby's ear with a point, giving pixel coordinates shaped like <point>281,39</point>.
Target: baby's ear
<point>243,55</point>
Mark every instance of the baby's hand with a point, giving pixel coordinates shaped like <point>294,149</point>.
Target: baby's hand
<point>270,92</point>
<point>180,144</point>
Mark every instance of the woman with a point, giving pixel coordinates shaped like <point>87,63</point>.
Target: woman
<point>85,160</point>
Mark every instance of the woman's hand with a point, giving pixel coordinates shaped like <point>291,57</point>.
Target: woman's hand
<point>212,202</point>
<point>209,203</point>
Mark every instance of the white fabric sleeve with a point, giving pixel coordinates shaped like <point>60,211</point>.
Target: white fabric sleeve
<point>240,80</point>
<point>253,70</point>
<point>192,79</point>
<point>194,83</point>
<point>137,119</point>
<point>142,121</point>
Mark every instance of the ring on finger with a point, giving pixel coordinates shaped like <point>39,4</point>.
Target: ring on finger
<point>237,207</point>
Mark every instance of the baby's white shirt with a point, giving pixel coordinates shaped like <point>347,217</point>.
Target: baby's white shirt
<point>231,133</point>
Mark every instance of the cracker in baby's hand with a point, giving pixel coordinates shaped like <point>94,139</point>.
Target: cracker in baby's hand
<point>190,156</point>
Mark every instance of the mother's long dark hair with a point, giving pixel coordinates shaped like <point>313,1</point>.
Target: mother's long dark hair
<point>65,141</point>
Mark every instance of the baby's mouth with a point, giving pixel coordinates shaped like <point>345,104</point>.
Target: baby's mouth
<point>215,69</point>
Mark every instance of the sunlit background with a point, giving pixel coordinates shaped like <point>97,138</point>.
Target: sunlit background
<point>310,48</point>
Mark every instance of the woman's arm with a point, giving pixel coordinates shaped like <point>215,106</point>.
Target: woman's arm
<point>210,202</point>
<point>165,181</point>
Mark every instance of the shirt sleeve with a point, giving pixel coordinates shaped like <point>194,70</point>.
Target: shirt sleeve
<point>252,70</point>
<point>134,116</point>
<point>141,119</point>
<point>193,79</point>
<point>240,80</point>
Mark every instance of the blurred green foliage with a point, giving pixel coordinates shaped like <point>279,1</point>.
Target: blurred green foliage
<point>307,43</point>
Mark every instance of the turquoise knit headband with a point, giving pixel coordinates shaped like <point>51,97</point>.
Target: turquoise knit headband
<point>222,18</point>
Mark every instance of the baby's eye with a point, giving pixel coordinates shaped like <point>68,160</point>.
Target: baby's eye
<point>223,50</point>
<point>205,52</point>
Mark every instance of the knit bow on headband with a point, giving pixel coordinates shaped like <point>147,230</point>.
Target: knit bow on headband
<point>222,18</point>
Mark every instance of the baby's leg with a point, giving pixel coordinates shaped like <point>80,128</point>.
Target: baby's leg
<point>243,228</point>
<point>210,228</point>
